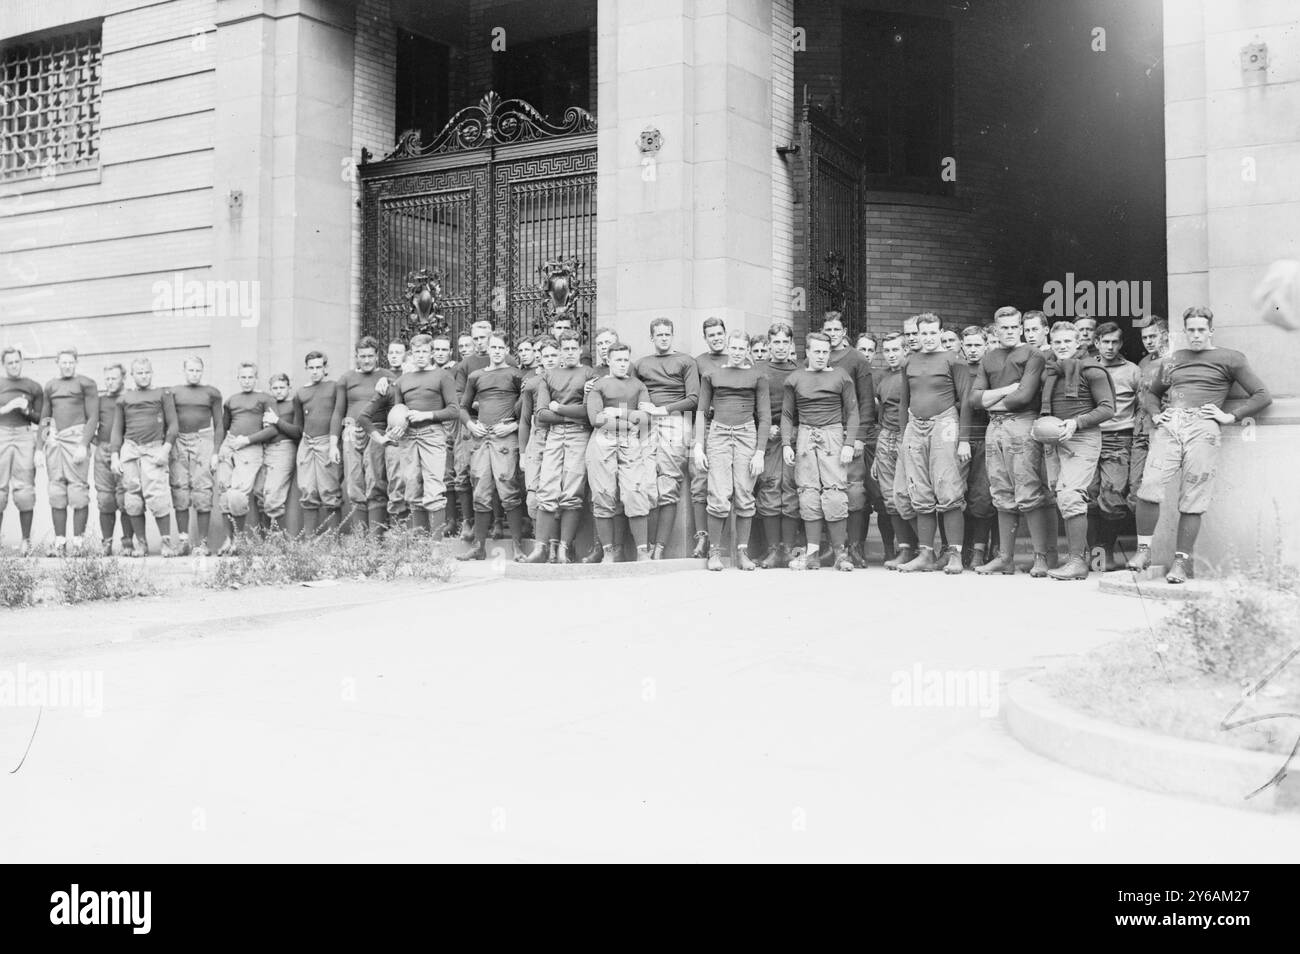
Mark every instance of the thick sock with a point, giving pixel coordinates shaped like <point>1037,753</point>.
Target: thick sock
<point>138,527</point>
<point>498,514</point>
<point>231,527</point>
<point>331,521</point>
<point>164,525</point>
<point>419,518</point>
<point>667,520</point>
<point>653,523</point>
<point>926,523</point>
<point>377,517</point>
<point>515,521</point>
<point>904,531</point>
<point>349,521</point>
<point>25,523</point>
<point>977,528</point>
<point>715,525</point>
<point>1147,516</point>
<point>839,531</point>
<point>1189,525</point>
<point>954,521</point>
<point>183,520</point>
<point>701,514</point>
<point>60,517</point>
<point>772,530</point>
<point>1042,527</point>
<point>569,520</point>
<point>482,523</point>
<point>310,520</point>
<point>437,521</point>
<point>812,531</point>
<point>79,518</point>
<point>548,527</point>
<point>744,527</point>
<point>857,527</point>
<point>1107,534</point>
<point>128,526</point>
<point>1008,521</point>
<point>453,504</point>
<point>605,530</point>
<point>1076,532</point>
<point>1094,531</point>
<point>106,521</point>
<point>943,531</point>
<point>466,501</point>
<point>204,518</point>
<point>639,527</point>
<point>789,532</point>
<point>240,520</point>
<point>620,533</point>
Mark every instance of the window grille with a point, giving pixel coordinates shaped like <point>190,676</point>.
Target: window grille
<point>49,105</point>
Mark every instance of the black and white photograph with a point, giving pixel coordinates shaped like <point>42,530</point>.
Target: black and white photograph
<point>704,431</point>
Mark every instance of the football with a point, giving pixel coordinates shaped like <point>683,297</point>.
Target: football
<point>1047,430</point>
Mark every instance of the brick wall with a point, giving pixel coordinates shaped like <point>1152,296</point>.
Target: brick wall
<point>783,185</point>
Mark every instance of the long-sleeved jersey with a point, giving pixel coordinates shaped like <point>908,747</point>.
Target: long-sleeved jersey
<point>823,398</point>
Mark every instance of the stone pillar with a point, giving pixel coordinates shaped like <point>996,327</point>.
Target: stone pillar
<point>686,232</point>
<point>281,187</point>
<point>1233,207</point>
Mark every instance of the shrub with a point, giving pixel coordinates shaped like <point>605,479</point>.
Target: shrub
<point>86,578</point>
<point>18,581</point>
<point>279,559</point>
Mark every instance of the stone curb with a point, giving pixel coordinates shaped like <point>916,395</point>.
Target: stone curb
<point>1157,589</point>
<point>598,571</point>
<point>1214,773</point>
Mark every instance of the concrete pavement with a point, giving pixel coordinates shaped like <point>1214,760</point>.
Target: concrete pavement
<point>689,717</point>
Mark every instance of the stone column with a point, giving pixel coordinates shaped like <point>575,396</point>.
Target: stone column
<point>685,232</point>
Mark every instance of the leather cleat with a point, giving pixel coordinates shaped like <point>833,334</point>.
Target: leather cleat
<point>777,558</point>
<point>598,554</point>
<point>1004,563</point>
<point>1140,561</point>
<point>168,549</point>
<point>541,554</point>
<point>743,562</point>
<point>843,560</point>
<point>923,562</point>
<point>701,546</point>
<point>184,549</point>
<point>715,560</point>
<point>1180,570</point>
<point>1039,570</point>
<point>953,567</point>
<point>657,552</point>
<point>562,554</point>
<point>902,555</point>
<point>643,555</point>
<point>857,557</point>
<point>474,553</point>
<point>1075,568</point>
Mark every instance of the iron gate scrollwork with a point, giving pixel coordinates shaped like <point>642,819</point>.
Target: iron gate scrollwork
<point>834,260</point>
<point>492,200</point>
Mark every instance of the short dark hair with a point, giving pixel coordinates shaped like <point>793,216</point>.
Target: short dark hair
<point>892,336</point>
<point>661,323</point>
<point>1200,311</point>
<point>368,342</point>
<point>1109,328</point>
<point>868,336</point>
<point>928,318</point>
<point>313,355</point>
<point>420,341</point>
<point>972,330</point>
<point>278,376</point>
<point>816,336</point>
<point>713,321</point>
<point>780,327</point>
<point>545,341</point>
<point>1034,314</point>
<point>1006,311</point>
<point>564,336</point>
<point>618,346</point>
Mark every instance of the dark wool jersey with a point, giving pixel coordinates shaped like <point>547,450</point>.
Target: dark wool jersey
<point>476,362</point>
<point>889,391</point>
<point>627,393</point>
<point>242,416</point>
<point>317,409</point>
<point>11,388</point>
<point>974,419</point>
<point>1148,368</point>
<point>735,396</point>
<point>528,405</point>
<point>72,401</point>
<point>823,398</point>
<point>855,364</point>
<point>672,380</point>
<point>107,411</point>
<point>146,417</point>
<point>433,389</point>
<point>1022,365</point>
<point>356,389</point>
<point>1191,378</point>
<point>198,406</point>
<point>496,390</point>
<point>776,373</point>
<point>1078,388</point>
<point>1126,379</point>
<point>285,428</point>
<point>932,382</point>
<point>565,387</point>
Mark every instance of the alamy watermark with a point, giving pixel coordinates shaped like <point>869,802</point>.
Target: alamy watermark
<point>1088,299</point>
<point>179,298</point>
<point>53,689</point>
<point>946,688</point>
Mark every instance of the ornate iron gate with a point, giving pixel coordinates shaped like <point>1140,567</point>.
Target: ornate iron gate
<point>833,267</point>
<point>499,195</point>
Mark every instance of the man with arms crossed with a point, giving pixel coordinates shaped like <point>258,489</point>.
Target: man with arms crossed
<point>1108,495</point>
<point>1008,385</point>
<point>71,416</point>
<point>888,471</point>
<point>1186,441</point>
<point>279,455</point>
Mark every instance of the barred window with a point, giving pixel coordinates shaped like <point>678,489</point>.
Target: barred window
<point>49,104</point>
